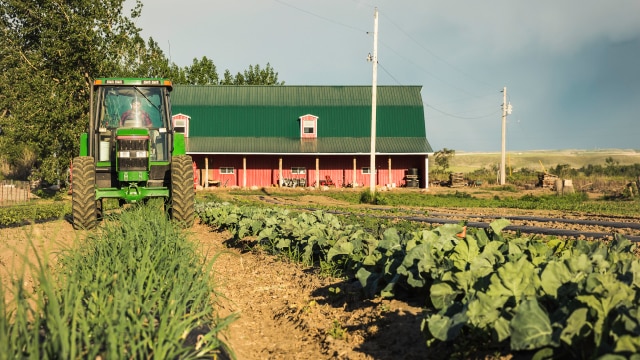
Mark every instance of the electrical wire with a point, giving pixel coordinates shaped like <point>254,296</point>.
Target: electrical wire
<point>463,117</point>
<point>388,73</point>
<point>403,57</point>
<point>434,54</point>
<point>320,16</point>
<point>426,71</point>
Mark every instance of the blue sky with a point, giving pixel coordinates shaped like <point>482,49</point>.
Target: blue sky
<point>571,67</point>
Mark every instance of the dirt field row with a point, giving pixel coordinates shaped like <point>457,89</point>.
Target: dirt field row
<point>284,310</point>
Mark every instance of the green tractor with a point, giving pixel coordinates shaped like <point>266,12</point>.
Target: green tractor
<point>131,152</point>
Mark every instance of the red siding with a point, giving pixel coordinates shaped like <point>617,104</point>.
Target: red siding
<point>262,170</point>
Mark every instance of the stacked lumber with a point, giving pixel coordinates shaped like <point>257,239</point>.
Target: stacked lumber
<point>456,180</point>
<point>546,180</point>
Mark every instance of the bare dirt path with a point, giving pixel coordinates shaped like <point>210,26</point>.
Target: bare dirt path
<point>287,311</point>
<point>22,246</point>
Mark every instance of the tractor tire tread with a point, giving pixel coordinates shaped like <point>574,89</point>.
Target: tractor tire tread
<point>84,206</point>
<point>182,191</point>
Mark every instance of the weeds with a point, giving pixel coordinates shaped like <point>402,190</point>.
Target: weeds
<point>376,198</point>
<point>336,331</point>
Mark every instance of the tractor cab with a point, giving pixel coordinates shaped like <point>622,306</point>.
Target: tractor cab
<point>122,108</point>
<point>131,152</point>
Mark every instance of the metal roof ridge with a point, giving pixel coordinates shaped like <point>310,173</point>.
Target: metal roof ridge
<point>285,86</point>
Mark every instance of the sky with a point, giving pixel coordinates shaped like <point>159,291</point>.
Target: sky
<point>571,67</point>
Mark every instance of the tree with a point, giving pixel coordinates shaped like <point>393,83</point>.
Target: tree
<point>202,72</point>
<point>49,52</point>
<point>255,75</point>
<point>227,78</point>
<point>442,159</point>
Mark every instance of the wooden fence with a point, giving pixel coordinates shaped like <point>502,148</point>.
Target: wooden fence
<point>12,192</point>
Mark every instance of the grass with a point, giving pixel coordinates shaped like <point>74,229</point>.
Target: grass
<point>506,197</point>
<point>134,289</point>
<point>537,160</point>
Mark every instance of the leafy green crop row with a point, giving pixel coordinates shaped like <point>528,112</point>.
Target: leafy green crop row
<point>136,289</point>
<point>577,202</point>
<point>561,298</point>
<point>12,215</point>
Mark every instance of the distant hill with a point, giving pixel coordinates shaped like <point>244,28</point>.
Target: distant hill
<point>537,159</point>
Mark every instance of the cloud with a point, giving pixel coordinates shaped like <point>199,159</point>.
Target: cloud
<point>567,64</point>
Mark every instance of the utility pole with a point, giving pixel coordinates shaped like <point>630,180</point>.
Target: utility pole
<point>506,110</point>
<point>374,95</point>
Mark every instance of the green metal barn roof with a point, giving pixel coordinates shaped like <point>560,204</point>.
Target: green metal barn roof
<point>266,119</point>
<point>333,145</point>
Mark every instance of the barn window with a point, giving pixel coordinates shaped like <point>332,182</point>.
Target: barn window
<point>309,126</point>
<point>226,170</point>
<point>366,170</point>
<point>181,124</point>
<point>298,170</point>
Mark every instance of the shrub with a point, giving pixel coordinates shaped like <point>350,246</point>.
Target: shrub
<point>366,197</point>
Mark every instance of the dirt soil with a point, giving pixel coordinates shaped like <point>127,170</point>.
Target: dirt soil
<point>285,311</point>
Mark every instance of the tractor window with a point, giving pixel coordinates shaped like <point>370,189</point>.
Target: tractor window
<point>131,107</point>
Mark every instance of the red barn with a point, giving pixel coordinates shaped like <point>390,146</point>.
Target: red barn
<point>303,135</point>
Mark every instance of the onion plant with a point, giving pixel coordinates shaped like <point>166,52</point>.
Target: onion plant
<point>134,289</point>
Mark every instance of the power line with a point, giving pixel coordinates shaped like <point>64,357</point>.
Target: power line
<point>360,3</point>
<point>460,89</point>
<point>403,57</point>
<point>462,117</point>
<point>319,16</point>
<point>388,73</point>
<point>426,71</point>
<point>434,54</point>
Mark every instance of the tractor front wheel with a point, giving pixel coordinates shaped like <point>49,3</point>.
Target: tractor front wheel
<point>84,205</point>
<point>182,192</point>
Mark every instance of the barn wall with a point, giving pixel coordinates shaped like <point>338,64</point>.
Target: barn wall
<point>262,170</point>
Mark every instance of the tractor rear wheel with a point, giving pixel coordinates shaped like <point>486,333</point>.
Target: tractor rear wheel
<point>182,191</point>
<point>84,205</point>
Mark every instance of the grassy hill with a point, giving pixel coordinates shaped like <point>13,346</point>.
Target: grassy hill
<point>536,160</point>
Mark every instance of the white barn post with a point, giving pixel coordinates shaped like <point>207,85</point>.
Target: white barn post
<point>206,172</point>
<point>426,172</point>
<point>280,179</point>
<point>244,171</point>
<point>317,172</point>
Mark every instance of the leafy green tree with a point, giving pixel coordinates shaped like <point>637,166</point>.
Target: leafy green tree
<point>257,76</point>
<point>442,159</point>
<point>202,72</point>
<point>49,52</point>
<point>227,78</point>
<point>611,168</point>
